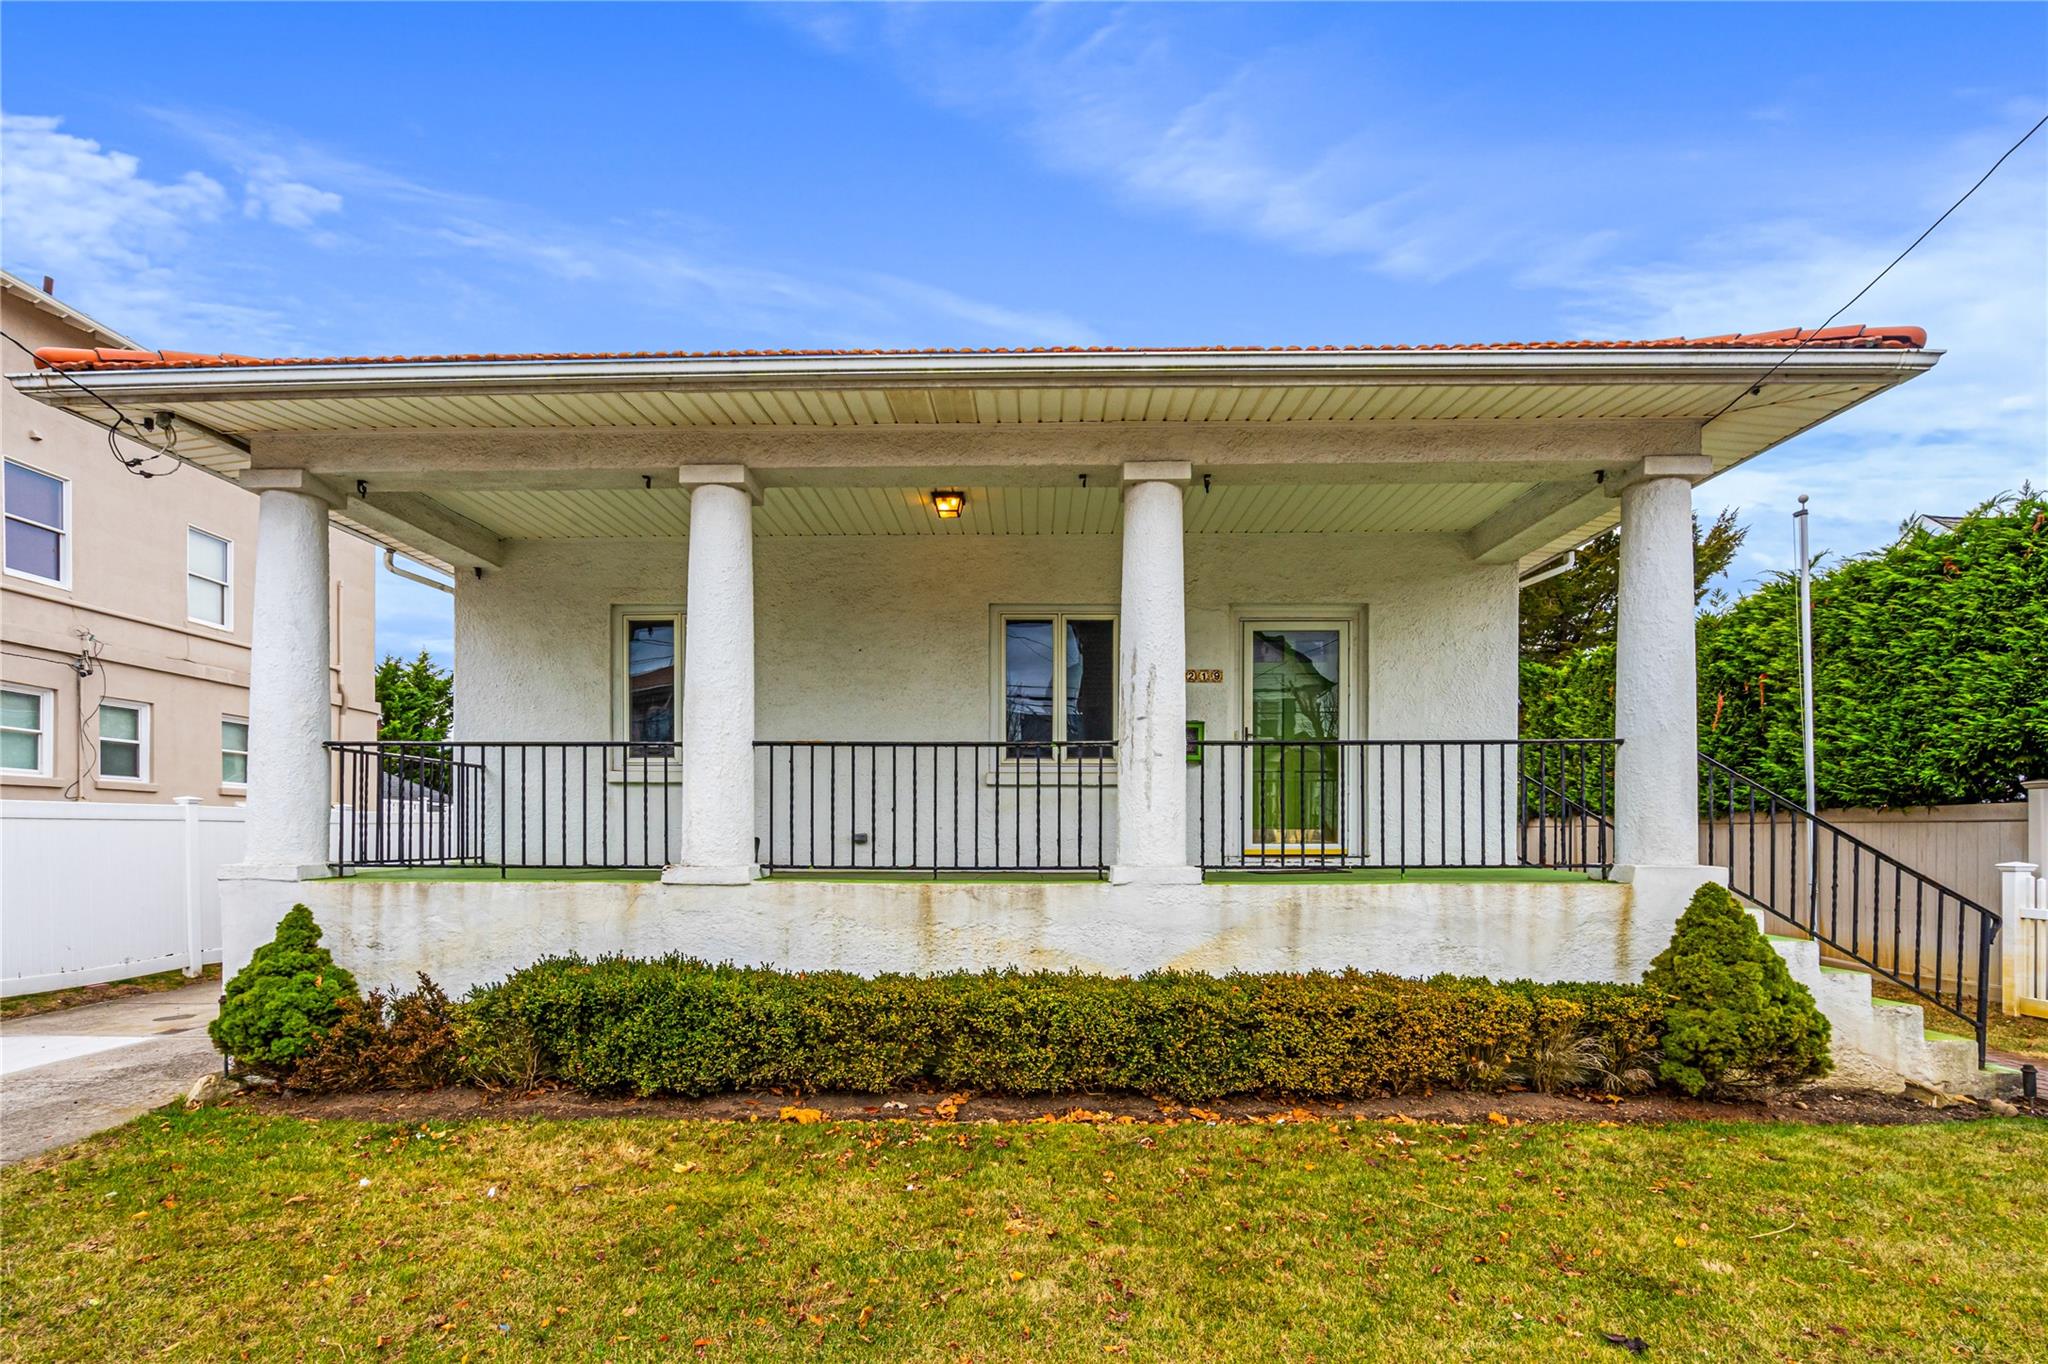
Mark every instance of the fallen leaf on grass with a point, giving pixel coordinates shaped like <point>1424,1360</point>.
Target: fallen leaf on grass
<point>804,1116</point>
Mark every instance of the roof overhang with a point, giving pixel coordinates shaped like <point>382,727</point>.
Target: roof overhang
<point>1734,402</point>
<point>17,287</point>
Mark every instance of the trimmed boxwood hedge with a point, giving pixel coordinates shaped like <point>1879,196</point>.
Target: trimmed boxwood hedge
<point>677,1026</point>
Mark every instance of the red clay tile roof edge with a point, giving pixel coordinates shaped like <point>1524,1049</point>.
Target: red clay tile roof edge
<point>1834,338</point>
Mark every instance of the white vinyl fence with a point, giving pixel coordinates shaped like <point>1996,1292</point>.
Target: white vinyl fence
<point>95,892</point>
<point>2026,948</point>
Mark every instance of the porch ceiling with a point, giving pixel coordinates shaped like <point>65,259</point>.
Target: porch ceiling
<point>618,513</point>
<point>1501,443</point>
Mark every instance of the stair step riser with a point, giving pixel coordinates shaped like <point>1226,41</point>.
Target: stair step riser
<point>1880,1044</point>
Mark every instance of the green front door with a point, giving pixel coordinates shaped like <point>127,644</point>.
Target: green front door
<point>1296,700</point>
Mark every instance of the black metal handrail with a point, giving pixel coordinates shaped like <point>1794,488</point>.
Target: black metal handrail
<point>935,807</point>
<point>1849,908</point>
<point>1313,804</point>
<point>507,804</point>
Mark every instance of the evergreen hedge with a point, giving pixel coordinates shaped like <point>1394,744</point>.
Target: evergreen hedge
<point>279,1005</point>
<point>1930,671</point>
<point>677,1026</point>
<point>1736,1020</point>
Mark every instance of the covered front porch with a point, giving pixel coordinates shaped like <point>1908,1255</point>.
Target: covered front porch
<point>1125,659</point>
<point>965,702</point>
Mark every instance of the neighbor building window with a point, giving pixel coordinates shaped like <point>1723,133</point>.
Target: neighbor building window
<point>38,525</point>
<point>234,751</point>
<point>1058,673</point>
<point>124,741</point>
<point>209,578</point>
<point>649,667</point>
<point>25,718</point>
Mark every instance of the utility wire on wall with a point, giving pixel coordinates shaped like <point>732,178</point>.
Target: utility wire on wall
<point>86,750</point>
<point>139,465</point>
<point>1756,388</point>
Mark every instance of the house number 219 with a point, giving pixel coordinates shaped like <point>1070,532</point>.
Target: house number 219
<point>1205,674</point>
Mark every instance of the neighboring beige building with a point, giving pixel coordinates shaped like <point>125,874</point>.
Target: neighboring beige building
<point>158,572</point>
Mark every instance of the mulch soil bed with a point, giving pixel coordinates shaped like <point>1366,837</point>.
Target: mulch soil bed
<point>1805,1106</point>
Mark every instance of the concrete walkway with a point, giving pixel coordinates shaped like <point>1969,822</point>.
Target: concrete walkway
<point>69,1074</point>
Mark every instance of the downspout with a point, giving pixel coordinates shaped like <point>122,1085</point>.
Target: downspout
<point>391,566</point>
<point>1570,562</point>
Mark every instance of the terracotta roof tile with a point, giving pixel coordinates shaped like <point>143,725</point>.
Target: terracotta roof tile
<point>1834,338</point>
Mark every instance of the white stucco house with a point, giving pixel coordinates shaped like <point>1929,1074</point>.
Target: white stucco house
<point>1106,658</point>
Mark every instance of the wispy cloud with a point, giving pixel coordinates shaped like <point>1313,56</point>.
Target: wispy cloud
<point>1974,427</point>
<point>1269,145</point>
<point>150,255</point>
<point>91,217</point>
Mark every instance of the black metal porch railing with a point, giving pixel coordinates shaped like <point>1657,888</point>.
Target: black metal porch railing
<point>1291,805</point>
<point>1862,904</point>
<point>935,807</point>
<point>505,805</point>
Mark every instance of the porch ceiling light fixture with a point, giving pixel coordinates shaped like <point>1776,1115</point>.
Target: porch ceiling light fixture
<point>947,502</point>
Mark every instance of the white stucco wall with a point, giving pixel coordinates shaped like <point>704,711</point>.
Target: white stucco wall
<point>889,638</point>
<point>466,934</point>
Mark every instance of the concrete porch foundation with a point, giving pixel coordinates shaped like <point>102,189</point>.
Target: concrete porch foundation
<point>470,933</point>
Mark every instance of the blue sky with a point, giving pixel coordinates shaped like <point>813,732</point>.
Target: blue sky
<point>388,178</point>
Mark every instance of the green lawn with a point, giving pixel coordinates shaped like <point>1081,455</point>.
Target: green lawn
<point>226,1234</point>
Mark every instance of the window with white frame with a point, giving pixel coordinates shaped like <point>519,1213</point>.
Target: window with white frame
<point>234,751</point>
<point>648,665</point>
<point>38,524</point>
<point>1058,671</point>
<point>209,578</point>
<point>26,717</point>
<point>124,741</point>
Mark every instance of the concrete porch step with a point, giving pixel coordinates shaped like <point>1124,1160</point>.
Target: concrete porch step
<point>1882,1044</point>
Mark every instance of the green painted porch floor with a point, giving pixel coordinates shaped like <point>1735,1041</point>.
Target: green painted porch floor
<point>493,874</point>
<point>1387,876</point>
<point>1358,876</point>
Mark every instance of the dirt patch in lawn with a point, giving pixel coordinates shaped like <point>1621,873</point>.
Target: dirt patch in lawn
<point>1806,1106</point>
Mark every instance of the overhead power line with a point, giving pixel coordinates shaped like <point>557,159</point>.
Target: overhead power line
<point>1757,387</point>
<point>137,465</point>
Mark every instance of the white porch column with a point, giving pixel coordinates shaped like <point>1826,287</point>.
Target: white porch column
<point>718,681</point>
<point>1152,699</point>
<point>1656,819</point>
<point>290,685</point>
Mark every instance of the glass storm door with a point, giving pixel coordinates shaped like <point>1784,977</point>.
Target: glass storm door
<point>1295,700</point>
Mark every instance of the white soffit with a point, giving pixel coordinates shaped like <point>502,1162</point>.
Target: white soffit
<point>225,408</point>
<point>657,513</point>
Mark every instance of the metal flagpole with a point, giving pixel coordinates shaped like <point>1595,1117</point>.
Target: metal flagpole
<point>1806,689</point>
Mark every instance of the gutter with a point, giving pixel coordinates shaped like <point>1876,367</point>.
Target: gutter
<point>227,383</point>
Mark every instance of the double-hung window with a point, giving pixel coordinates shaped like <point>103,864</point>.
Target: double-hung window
<point>234,751</point>
<point>209,578</point>
<point>38,525</point>
<point>1058,671</point>
<point>648,666</point>
<point>124,741</point>
<point>26,715</point>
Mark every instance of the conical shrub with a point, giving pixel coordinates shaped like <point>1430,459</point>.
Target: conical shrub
<point>286,997</point>
<point>1737,1021</point>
